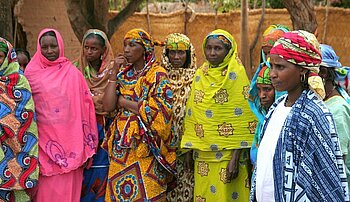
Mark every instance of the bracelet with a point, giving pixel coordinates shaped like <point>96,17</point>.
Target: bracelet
<point>110,72</point>
<point>111,81</point>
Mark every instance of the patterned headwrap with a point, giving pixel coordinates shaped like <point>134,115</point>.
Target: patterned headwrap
<point>273,33</point>
<point>343,78</point>
<point>97,81</point>
<point>302,48</point>
<point>329,57</point>
<point>142,37</point>
<point>331,60</point>
<point>264,76</point>
<point>177,41</point>
<point>3,47</point>
<point>223,39</point>
<point>273,27</point>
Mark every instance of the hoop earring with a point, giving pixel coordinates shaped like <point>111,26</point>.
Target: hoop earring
<point>303,78</point>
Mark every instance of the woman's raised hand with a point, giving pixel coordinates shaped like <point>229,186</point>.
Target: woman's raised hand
<point>119,62</point>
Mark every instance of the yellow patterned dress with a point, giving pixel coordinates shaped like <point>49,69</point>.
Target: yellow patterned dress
<point>141,157</point>
<point>218,120</point>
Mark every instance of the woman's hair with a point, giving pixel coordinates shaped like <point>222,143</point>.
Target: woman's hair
<point>188,57</point>
<point>99,38</point>
<point>49,33</point>
<point>21,50</point>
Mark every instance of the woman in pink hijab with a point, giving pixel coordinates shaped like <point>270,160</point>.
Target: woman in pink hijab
<point>65,118</point>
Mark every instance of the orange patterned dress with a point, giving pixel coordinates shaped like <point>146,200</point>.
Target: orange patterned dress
<point>142,156</point>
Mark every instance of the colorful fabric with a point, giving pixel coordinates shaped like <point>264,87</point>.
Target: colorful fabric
<point>218,120</point>
<point>331,60</point>
<point>257,109</point>
<point>59,188</point>
<point>270,36</point>
<point>302,48</point>
<point>180,81</point>
<point>3,46</point>
<point>274,27</point>
<point>211,178</point>
<point>95,176</point>
<point>343,78</point>
<point>64,106</point>
<point>177,41</point>
<point>97,81</point>
<point>312,171</point>
<point>217,112</point>
<point>142,157</point>
<point>264,76</point>
<point>184,189</point>
<point>227,43</point>
<point>329,57</point>
<point>142,37</point>
<point>340,110</point>
<point>19,134</point>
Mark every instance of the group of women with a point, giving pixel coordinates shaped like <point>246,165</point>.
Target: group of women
<point>132,127</point>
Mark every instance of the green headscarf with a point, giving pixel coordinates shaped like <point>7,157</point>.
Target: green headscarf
<point>3,47</point>
<point>264,76</point>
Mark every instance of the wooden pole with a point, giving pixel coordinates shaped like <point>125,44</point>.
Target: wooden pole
<point>325,24</point>
<point>186,18</point>
<point>148,19</point>
<point>245,55</point>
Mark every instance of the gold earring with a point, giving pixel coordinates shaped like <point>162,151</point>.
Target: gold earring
<point>303,78</point>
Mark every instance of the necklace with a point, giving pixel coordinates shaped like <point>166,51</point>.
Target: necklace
<point>139,72</point>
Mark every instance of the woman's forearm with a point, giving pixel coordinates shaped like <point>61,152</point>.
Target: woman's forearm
<point>110,97</point>
<point>128,104</point>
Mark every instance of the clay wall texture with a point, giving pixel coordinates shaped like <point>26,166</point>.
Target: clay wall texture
<point>37,14</point>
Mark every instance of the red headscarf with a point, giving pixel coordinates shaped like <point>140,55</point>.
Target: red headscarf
<point>302,48</point>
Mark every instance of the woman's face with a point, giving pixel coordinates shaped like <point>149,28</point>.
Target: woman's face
<point>49,47</point>
<point>215,51</point>
<point>93,49</point>
<point>325,74</point>
<point>22,60</point>
<point>285,76</point>
<point>266,93</point>
<point>133,51</point>
<point>177,58</point>
<point>2,57</point>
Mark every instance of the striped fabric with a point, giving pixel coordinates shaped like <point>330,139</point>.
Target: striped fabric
<point>307,163</point>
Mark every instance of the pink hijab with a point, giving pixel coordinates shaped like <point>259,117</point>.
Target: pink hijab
<point>65,112</point>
